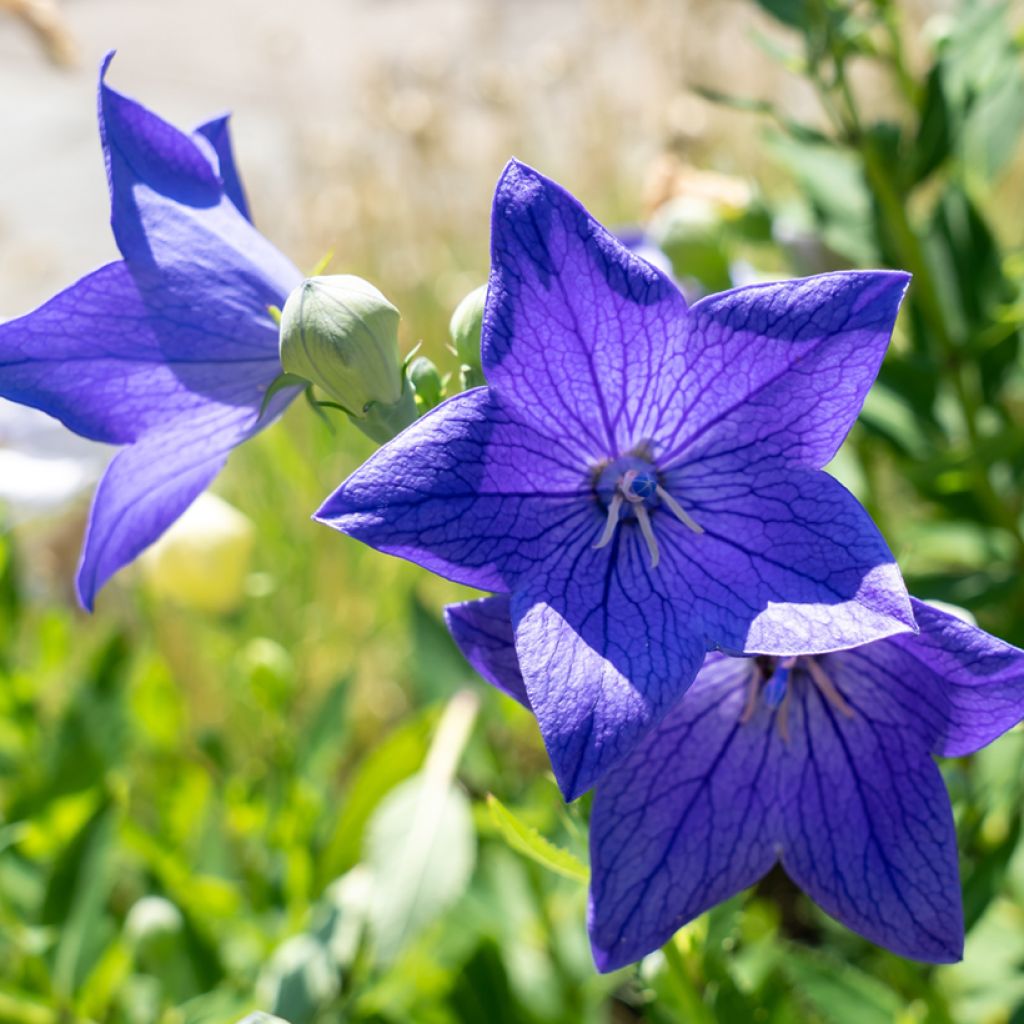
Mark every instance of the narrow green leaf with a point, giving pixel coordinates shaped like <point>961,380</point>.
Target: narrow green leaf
<point>793,13</point>
<point>393,760</point>
<point>76,900</point>
<point>529,842</point>
<point>840,992</point>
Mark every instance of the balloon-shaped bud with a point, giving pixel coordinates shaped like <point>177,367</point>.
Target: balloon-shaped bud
<point>465,327</point>
<point>341,334</point>
<point>426,382</point>
<point>690,231</point>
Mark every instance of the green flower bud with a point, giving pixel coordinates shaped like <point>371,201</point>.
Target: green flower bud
<point>690,231</point>
<point>465,326</point>
<point>426,382</point>
<point>341,334</point>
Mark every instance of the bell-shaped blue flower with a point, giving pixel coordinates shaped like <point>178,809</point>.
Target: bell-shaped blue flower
<point>642,477</point>
<point>168,351</point>
<point>822,763</point>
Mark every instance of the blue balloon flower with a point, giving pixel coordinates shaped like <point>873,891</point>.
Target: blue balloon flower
<point>828,772</point>
<point>169,351</point>
<point>642,477</point>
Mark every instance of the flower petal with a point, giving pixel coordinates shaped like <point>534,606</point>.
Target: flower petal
<point>868,829</point>
<point>579,334</point>
<point>218,134</point>
<point>172,218</point>
<point>780,371</point>
<point>470,493</point>
<point>113,358</point>
<point>151,482</point>
<point>482,629</point>
<point>954,686</point>
<point>687,820</point>
<point>789,563</point>
<point>605,651</point>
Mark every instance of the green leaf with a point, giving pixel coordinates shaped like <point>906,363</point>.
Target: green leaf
<point>435,665</point>
<point>529,842</point>
<point>326,732</point>
<point>421,847</point>
<point>832,180</point>
<point>968,263</point>
<point>983,89</point>
<point>838,991</point>
<point>934,131</point>
<point>793,13</point>
<point>481,989</point>
<point>988,980</point>
<point>339,919</point>
<point>396,758</point>
<point>76,899</point>
<point>300,980</point>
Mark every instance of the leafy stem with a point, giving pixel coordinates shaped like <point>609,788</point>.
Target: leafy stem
<point>840,104</point>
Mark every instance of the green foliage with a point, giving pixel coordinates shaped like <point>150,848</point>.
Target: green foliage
<point>286,810</point>
<point>529,841</point>
<point>940,449</point>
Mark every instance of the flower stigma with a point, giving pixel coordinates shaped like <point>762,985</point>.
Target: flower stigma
<point>772,680</point>
<point>635,492</point>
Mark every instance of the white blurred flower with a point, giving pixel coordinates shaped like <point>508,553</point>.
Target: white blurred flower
<point>43,466</point>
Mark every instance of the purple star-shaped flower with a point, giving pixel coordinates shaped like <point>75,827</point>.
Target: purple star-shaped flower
<point>642,477</point>
<point>822,763</point>
<point>169,351</point>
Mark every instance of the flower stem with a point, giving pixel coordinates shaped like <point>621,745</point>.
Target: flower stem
<point>383,422</point>
<point>690,1003</point>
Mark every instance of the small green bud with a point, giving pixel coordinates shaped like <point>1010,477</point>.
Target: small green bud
<point>465,326</point>
<point>426,382</point>
<point>341,334</point>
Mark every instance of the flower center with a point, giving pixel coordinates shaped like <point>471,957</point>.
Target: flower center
<point>631,489</point>
<point>772,680</point>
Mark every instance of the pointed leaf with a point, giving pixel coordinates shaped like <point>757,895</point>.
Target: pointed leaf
<point>529,842</point>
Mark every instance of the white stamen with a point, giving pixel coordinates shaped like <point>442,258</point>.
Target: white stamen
<point>645,528</point>
<point>678,511</point>
<point>626,485</point>
<point>638,503</point>
<point>613,520</point>
<point>827,687</point>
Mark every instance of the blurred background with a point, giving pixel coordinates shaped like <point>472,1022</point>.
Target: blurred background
<point>212,792</point>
